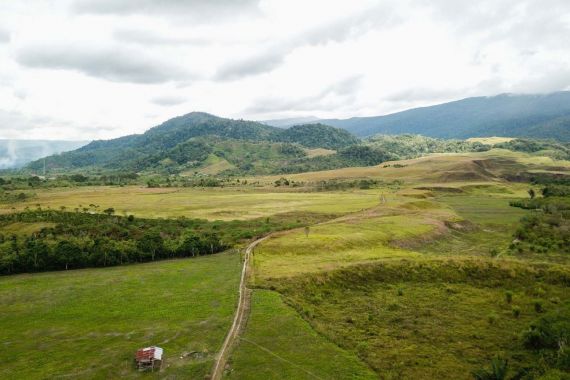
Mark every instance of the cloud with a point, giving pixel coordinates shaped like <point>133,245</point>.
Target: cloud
<point>339,94</point>
<point>273,56</point>
<point>117,64</point>
<point>189,9</point>
<point>168,100</point>
<point>4,36</point>
<point>21,125</point>
<point>253,65</point>
<point>423,94</point>
<point>146,37</point>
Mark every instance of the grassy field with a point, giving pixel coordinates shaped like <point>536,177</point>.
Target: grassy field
<point>428,320</point>
<point>210,203</point>
<point>443,325</point>
<point>413,287</point>
<point>276,325</point>
<point>88,323</point>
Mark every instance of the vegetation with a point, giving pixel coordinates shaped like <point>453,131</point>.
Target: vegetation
<point>401,270</point>
<point>71,240</point>
<point>547,230</point>
<point>89,323</point>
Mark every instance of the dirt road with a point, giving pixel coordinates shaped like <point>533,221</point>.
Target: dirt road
<point>239,318</point>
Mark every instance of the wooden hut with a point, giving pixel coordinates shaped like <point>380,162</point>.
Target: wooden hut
<point>149,358</point>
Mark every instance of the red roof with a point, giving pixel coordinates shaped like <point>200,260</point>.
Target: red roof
<point>145,354</point>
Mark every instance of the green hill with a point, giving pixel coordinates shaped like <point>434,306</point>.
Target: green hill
<point>534,116</point>
<point>176,145</point>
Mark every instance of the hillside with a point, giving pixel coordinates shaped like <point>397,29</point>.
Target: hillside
<point>535,116</point>
<point>172,141</point>
<point>17,153</point>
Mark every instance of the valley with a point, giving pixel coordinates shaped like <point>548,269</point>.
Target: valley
<point>396,271</point>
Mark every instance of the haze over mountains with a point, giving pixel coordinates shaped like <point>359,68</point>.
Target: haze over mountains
<point>17,153</point>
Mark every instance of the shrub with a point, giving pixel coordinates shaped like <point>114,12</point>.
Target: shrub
<point>498,370</point>
<point>492,318</point>
<point>516,311</point>
<point>509,296</point>
<point>400,291</point>
<point>538,306</point>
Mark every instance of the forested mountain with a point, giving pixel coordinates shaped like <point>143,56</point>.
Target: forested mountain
<point>318,136</point>
<point>180,143</point>
<point>534,116</point>
<point>17,153</point>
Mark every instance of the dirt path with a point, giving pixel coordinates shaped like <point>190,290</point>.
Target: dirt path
<point>239,318</point>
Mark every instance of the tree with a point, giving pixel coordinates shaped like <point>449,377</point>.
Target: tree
<point>151,243</point>
<point>68,254</point>
<point>109,211</point>
<point>531,193</point>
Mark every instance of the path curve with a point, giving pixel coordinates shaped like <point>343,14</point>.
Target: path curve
<point>239,317</point>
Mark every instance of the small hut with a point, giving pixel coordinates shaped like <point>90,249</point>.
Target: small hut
<point>149,358</point>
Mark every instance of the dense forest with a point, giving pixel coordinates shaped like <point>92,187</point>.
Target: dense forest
<point>142,152</point>
<point>83,238</point>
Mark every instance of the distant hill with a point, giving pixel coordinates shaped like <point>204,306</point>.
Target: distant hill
<point>181,144</point>
<point>534,116</point>
<point>17,153</point>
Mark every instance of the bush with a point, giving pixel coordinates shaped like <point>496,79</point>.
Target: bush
<point>509,296</point>
<point>498,370</point>
<point>516,311</point>
<point>400,291</point>
<point>492,318</point>
<point>538,307</point>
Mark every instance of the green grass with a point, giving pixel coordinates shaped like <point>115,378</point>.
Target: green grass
<point>430,320</point>
<point>344,242</point>
<point>279,344</point>
<point>89,323</point>
<point>24,228</point>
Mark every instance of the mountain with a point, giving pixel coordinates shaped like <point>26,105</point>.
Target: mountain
<point>318,136</point>
<point>17,153</point>
<point>184,142</point>
<point>534,116</point>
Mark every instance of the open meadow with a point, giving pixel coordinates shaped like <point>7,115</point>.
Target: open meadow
<point>411,275</point>
<point>87,324</point>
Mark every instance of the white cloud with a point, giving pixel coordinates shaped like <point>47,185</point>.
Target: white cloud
<point>104,68</point>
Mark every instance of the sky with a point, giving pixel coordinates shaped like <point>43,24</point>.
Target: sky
<point>98,69</point>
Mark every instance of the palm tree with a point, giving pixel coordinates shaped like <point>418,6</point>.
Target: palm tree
<point>498,371</point>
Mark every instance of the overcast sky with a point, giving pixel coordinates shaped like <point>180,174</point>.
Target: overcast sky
<point>89,69</point>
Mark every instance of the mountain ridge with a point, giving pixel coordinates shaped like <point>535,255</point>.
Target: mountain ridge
<point>509,115</point>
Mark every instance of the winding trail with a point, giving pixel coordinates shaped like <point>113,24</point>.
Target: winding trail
<point>239,318</point>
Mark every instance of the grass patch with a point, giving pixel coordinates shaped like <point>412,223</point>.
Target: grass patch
<point>429,320</point>
<point>206,203</point>
<point>88,323</point>
<point>279,344</point>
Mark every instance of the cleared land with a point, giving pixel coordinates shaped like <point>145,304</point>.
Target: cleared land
<point>88,323</point>
<point>211,203</point>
